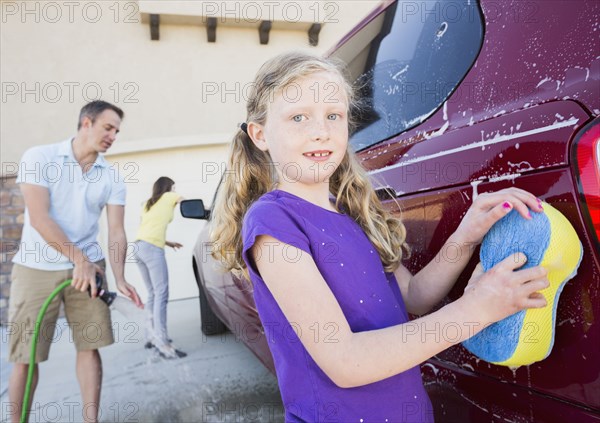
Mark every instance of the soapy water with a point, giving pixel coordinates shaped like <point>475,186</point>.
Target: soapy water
<point>132,313</point>
<point>127,309</point>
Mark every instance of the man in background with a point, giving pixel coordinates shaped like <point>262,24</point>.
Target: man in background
<point>66,186</point>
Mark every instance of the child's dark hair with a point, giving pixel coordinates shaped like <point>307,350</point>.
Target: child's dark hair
<point>162,185</point>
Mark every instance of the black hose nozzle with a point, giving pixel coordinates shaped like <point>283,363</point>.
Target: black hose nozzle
<point>106,296</point>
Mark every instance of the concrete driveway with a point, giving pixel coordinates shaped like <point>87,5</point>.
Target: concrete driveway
<point>219,381</point>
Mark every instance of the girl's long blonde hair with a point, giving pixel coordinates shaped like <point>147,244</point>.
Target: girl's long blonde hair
<point>250,173</point>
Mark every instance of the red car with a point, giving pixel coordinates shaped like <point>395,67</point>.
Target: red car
<point>460,98</point>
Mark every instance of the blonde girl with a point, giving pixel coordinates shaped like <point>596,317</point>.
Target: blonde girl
<point>298,215</point>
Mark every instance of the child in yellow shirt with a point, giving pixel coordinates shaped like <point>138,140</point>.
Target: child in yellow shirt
<point>150,255</point>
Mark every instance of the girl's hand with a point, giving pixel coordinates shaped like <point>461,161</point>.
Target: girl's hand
<point>174,245</point>
<point>503,290</point>
<point>488,208</point>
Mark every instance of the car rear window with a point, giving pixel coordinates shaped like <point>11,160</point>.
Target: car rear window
<point>407,61</point>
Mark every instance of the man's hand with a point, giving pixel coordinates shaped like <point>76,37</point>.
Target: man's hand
<point>130,292</point>
<point>84,276</point>
<point>115,215</point>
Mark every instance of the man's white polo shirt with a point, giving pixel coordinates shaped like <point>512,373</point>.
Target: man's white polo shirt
<point>76,202</point>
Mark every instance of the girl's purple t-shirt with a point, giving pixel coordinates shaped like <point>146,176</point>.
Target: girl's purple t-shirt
<point>368,296</point>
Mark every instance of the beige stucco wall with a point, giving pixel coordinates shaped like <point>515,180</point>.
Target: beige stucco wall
<point>183,97</point>
<point>163,86</point>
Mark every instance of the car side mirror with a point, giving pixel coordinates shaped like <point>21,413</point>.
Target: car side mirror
<point>194,209</point>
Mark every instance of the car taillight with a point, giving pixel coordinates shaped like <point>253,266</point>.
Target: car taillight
<point>586,155</point>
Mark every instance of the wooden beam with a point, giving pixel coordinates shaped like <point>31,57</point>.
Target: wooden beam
<point>211,29</point>
<point>154,27</point>
<point>263,31</point>
<point>313,34</point>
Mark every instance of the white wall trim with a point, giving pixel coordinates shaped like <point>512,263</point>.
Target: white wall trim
<point>155,144</point>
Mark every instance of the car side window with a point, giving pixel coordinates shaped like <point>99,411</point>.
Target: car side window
<point>407,61</point>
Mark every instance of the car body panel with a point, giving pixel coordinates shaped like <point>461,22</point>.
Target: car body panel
<point>572,371</point>
<point>463,396</point>
<point>489,150</point>
<point>230,298</point>
<point>211,275</point>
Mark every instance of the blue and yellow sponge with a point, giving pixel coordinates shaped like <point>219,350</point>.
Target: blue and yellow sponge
<point>549,240</point>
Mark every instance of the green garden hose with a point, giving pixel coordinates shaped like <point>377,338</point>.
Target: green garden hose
<point>106,296</point>
<point>36,331</point>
